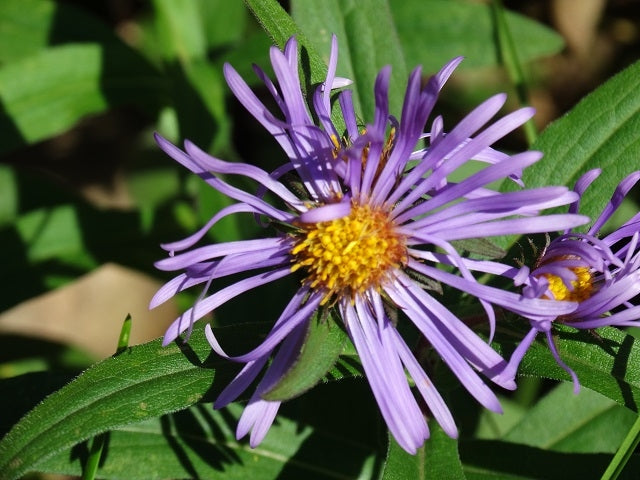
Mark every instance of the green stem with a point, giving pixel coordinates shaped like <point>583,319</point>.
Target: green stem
<point>624,453</point>
<point>95,454</point>
<point>509,58</point>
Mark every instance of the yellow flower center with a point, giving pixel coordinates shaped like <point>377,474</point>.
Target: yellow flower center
<point>582,286</point>
<point>351,254</point>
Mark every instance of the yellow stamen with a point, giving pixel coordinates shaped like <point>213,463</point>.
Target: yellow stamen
<point>351,254</point>
<point>581,287</point>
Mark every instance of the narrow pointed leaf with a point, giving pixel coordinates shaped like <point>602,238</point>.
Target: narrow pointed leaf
<point>199,442</point>
<point>563,421</point>
<point>142,382</point>
<point>367,40</point>
<point>607,362</point>
<point>30,26</point>
<point>491,459</point>
<point>72,81</point>
<point>323,345</point>
<point>599,132</point>
<point>280,27</point>
<point>434,31</point>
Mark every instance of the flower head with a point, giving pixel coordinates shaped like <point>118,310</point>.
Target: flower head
<point>377,211</point>
<point>599,276</point>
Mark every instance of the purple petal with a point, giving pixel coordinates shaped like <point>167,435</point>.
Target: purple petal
<point>531,308</point>
<point>423,316</point>
<point>445,72</point>
<point>200,309</point>
<point>618,196</point>
<point>426,388</point>
<point>581,185</point>
<point>464,130</point>
<point>518,354</point>
<point>229,265</point>
<point>556,356</point>
<point>209,252</point>
<point>515,226</point>
<point>191,240</point>
<point>254,106</point>
<point>397,405</point>
<point>348,113</point>
<point>456,155</point>
<point>257,416</point>
<point>488,208</point>
<point>262,412</point>
<point>240,383</point>
<point>289,82</point>
<point>219,166</point>
<point>276,335</point>
<point>224,188</point>
<point>326,213</point>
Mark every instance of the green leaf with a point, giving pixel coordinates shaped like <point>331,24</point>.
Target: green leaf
<point>22,35</point>
<point>50,232</point>
<point>29,26</point>
<point>180,29</point>
<point>437,458</point>
<point>607,362</point>
<point>624,453</point>
<point>140,383</point>
<point>200,443</point>
<point>150,187</point>
<point>367,42</point>
<point>441,459</point>
<point>8,195</point>
<point>480,246</point>
<point>323,344</point>
<point>254,49</point>
<point>512,64</point>
<point>490,459</point>
<point>432,32</point>
<point>400,464</point>
<point>225,21</point>
<point>198,93</point>
<point>280,27</point>
<point>599,132</point>
<point>563,421</point>
<point>47,93</point>
<point>492,425</point>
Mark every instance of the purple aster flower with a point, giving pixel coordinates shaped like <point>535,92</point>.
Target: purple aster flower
<point>376,208</point>
<point>599,276</point>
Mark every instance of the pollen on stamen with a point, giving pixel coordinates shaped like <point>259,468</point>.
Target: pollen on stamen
<point>580,289</point>
<point>349,255</point>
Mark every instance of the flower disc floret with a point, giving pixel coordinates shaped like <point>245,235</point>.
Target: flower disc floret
<point>351,254</point>
<point>581,288</point>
